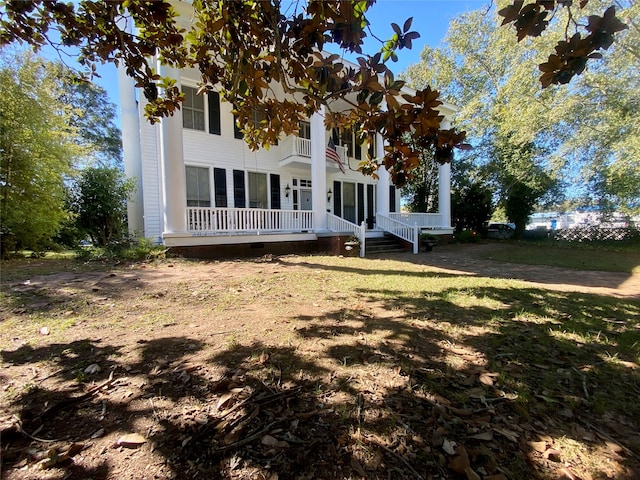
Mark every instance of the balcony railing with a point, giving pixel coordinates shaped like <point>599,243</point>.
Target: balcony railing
<point>301,147</point>
<point>224,221</point>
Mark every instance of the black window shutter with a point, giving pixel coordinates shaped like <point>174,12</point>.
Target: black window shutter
<point>337,199</point>
<point>360,198</point>
<point>214,113</point>
<point>371,216</point>
<point>239,200</point>
<point>392,198</point>
<point>275,191</point>
<point>220,186</point>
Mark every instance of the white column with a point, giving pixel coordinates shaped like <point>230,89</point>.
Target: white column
<point>132,151</point>
<point>444,186</point>
<point>384,180</point>
<point>319,171</point>
<point>172,159</point>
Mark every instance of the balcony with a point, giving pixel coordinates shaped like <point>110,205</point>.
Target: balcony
<point>296,153</point>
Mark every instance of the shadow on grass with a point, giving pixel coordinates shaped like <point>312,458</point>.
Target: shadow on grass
<point>398,386</point>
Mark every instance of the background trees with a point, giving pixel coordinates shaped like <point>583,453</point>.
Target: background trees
<point>100,204</point>
<point>49,127</point>
<point>580,140</point>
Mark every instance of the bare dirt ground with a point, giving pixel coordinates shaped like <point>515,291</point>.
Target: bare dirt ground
<point>278,368</point>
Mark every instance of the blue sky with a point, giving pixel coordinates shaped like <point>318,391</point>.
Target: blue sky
<point>430,18</point>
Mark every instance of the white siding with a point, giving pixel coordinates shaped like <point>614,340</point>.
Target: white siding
<point>151,184</point>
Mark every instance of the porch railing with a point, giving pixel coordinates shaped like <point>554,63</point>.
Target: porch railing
<point>423,220</point>
<point>405,231</point>
<point>301,147</point>
<point>338,224</point>
<point>247,220</point>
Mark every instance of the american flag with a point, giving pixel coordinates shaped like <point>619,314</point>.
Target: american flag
<point>332,154</point>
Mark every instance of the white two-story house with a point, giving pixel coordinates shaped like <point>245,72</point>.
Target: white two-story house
<point>201,190</point>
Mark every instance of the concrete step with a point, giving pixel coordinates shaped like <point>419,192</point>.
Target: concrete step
<point>386,244</point>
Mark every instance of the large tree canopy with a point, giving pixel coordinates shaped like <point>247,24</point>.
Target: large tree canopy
<point>265,56</point>
<point>37,149</point>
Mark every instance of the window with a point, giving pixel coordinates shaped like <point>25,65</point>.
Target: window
<point>258,190</point>
<point>372,145</point>
<point>304,130</point>
<point>192,109</point>
<point>258,116</point>
<point>198,193</point>
<point>237,133</point>
<point>348,139</point>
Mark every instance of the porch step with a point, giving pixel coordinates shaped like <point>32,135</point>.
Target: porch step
<point>386,244</point>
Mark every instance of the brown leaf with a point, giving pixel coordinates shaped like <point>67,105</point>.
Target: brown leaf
<point>486,436</point>
<point>460,463</point>
<point>357,467</point>
<point>223,400</point>
<point>131,440</point>
<point>461,412</point>
<point>499,476</point>
<point>509,434</point>
<point>471,474</point>
<point>486,379</point>
<point>270,441</point>
<point>538,446</point>
<point>566,473</point>
<point>552,454</point>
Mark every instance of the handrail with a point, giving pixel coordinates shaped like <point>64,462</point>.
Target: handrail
<point>423,220</point>
<point>410,233</point>
<point>338,224</point>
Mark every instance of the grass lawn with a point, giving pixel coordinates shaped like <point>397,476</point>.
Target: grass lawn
<point>416,366</point>
<point>606,258</point>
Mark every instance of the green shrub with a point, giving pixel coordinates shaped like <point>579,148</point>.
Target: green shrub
<point>467,236</point>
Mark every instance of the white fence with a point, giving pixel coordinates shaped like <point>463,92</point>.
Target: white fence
<point>249,220</point>
<point>410,233</point>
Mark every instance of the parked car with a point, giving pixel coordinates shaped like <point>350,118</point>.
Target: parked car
<point>501,230</point>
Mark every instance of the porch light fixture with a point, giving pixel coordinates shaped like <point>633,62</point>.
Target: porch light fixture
<point>329,193</point>
<point>287,191</point>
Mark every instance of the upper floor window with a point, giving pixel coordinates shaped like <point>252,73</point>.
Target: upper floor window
<point>198,109</point>
<point>304,130</point>
<point>257,117</point>
<point>193,109</point>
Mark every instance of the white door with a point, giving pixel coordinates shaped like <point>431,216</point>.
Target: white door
<point>305,200</point>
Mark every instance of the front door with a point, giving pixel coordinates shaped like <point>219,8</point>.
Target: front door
<point>305,200</point>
